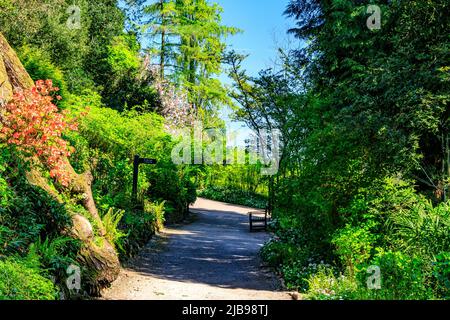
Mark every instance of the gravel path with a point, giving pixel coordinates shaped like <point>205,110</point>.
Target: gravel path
<point>213,258</point>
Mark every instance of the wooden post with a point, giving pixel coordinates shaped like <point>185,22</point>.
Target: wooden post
<point>137,161</point>
<point>265,218</point>
<point>135,176</point>
<point>271,195</point>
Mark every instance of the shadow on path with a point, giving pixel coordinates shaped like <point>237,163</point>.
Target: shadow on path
<point>215,252</point>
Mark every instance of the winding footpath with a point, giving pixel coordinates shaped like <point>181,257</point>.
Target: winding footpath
<point>213,258</point>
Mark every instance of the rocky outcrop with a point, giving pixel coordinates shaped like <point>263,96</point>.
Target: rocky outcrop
<point>100,259</point>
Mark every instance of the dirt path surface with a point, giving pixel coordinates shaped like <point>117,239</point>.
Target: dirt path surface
<point>214,257</point>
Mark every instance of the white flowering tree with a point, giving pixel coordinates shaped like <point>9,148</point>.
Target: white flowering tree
<point>173,102</point>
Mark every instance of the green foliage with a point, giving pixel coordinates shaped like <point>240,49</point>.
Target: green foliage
<point>402,278</point>
<point>105,23</point>
<point>21,281</point>
<point>190,44</point>
<point>40,67</point>
<point>403,219</point>
<point>27,215</point>
<point>278,253</point>
<point>156,210</point>
<point>29,212</point>
<point>422,229</point>
<point>141,226</point>
<point>325,285</point>
<point>353,246</point>
<point>111,222</point>
<point>5,4</point>
<point>389,214</point>
<point>364,173</point>
<point>43,25</point>
<point>241,184</point>
<point>297,274</point>
<point>122,55</point>
<point>122,134</point>
<point>5,192</point>
<point>292,254</point>
<point>128,84</point>
<point>106,144</point>
<point>80,159</point>
<point>364,118</point>
<point>97,56</point>
<point>178,194</point>
<point>56,254</point>
<point>442,273</point>
<point>79,53</point>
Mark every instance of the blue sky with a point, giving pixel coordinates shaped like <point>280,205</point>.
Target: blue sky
<point>264,29</point>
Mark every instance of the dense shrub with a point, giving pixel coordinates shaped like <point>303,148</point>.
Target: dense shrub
<point>28,214</point>
<point>324,284</point>
<point>178,194</point>
<point>112,139</point>
<point>39,66</point>
<point>106,145</point>
<point>31,222</point>
<point>353,246</point>
<point>55,255</point>
<point>402,277</point>
<point>298,273</point>
<point>388,225</point>
<point>442,274</point>
<point>5,191</point>
<point>279,253</point>
<point>141,226</point>
<point>20,280</point>
<point>421,229</point>
<point>111,221</point>
<point>128,85</point>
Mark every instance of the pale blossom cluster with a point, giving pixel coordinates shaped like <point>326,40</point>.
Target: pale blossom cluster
<point>174,103</point>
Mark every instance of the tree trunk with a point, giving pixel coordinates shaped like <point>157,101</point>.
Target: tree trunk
<point>102,260</point>
<point>13,75</point>
<point>163,42</point>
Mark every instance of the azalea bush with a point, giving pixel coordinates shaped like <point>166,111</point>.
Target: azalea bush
<point>32,123</point>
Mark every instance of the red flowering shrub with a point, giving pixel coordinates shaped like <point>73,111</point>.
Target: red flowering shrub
<point>34,124</point>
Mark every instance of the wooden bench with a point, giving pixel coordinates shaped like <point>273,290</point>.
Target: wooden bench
<point>258,220</point>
